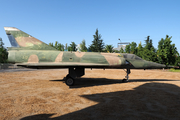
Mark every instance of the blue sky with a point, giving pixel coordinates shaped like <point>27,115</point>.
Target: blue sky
<point>69,21</point>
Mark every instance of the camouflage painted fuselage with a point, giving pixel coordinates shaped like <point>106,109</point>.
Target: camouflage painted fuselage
<point>30,52</point>
<point>65,59</point>
<point>59,59</point>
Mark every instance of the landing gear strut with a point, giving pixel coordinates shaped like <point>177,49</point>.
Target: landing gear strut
<point>126,79</point>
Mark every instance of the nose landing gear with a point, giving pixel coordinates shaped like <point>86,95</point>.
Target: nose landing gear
<point>126,79</point>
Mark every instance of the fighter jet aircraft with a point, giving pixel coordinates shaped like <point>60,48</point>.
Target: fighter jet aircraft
<point>29,52</point>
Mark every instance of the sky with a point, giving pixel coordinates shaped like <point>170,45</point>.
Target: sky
<point>69,21</point>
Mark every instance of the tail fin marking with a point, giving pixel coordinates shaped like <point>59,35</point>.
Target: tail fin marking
<point>23,40</point>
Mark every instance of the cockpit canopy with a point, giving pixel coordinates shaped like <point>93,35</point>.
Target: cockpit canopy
<point>131,56</point>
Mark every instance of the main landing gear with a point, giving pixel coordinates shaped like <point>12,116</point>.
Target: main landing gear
<point>78,72</point>
<point>126,79</point>
<point>69,80</point>
<point>73,74</point>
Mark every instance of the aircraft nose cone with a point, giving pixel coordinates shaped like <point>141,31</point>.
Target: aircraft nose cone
<point>157,65</point>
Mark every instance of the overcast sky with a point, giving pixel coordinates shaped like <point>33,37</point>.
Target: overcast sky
<point>69,21</point>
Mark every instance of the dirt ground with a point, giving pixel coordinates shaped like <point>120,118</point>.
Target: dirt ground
<point>100,94</point>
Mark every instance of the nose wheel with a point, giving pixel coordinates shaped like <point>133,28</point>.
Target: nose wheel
<point>126,79</point>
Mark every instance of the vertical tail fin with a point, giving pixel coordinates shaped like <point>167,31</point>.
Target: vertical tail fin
<point>23,40</point>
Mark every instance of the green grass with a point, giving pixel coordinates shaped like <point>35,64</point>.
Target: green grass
<point>174,70</point>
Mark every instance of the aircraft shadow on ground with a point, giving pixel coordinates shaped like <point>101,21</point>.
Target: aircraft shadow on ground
<point>148,101</point>
<point>88,82</point>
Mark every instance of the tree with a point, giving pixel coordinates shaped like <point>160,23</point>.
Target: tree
<point>109,48</point>
<point>148,52</point>
<point>3,53</point>
<point>57,45</point>
<point>60,47</point>
<point>167,53</point>
<point>72,47</point>
<point>133,48</point>
<point>116,51</point>
<point>140,50</point>
<point>149,55</point>
<point>121,50</point>
<point>160,51</point>
<point>69,48</point>
<point>83,47</point>
<point>97,44</point>
<point>177,63</point>
<point>148,43</point>
<point>127,49</point>
<point>51,44</point>
<point>66,47</point>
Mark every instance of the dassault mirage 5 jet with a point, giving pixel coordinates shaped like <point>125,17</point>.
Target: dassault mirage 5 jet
<point>29,52</point>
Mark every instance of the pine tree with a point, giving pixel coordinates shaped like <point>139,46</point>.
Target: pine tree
<point>97,44</point>
<point>148,43</point>
<point>83,47</point>
<point>149,52</point>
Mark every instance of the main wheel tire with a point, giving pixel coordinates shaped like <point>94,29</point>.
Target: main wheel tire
<point>69,81</point>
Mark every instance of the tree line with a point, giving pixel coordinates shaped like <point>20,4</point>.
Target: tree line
<point>96,46</point>
<point>166,53</point>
